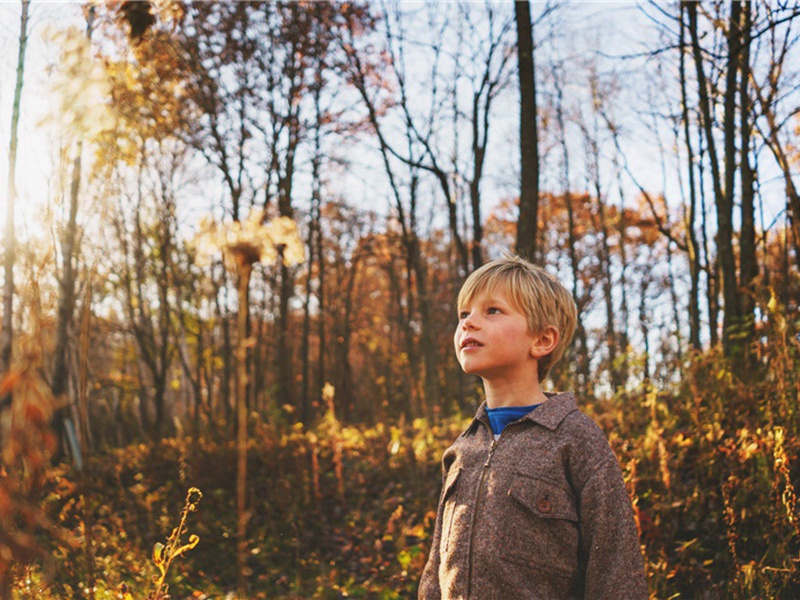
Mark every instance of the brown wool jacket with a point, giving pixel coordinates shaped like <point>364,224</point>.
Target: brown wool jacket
<point>540,513</point>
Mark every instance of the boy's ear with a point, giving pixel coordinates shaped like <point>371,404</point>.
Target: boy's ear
<point>544,343</point>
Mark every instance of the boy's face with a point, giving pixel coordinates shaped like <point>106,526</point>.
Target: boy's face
<point>492,339</point>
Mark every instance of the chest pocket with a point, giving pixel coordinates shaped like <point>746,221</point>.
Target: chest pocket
<point>542,526</point>
<point>543,499</point>
<point>449,494</point>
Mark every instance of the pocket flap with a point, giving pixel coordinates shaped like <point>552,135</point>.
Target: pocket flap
<point>544,499</point>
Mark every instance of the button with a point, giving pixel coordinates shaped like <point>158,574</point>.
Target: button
<point>544,505</point>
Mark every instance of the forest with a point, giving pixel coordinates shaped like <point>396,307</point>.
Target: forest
<point>232,238</point>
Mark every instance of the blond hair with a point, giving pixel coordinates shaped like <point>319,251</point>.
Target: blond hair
<point>531,290</point>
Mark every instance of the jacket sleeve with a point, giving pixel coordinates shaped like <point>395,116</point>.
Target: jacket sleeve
<point>429,588</point>
<point>609,540</point>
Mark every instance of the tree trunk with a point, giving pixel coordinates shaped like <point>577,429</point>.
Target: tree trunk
<point>223,317</point>
<point>346,380</point>
<point>612,341</point>
<point>243,281</point>
<point>748,264</point>
<point>66,301</point>
<point>724,227</point>
<point>6,333</point>
<point>644,323</point>
<point>478,155</point>
<point>164,340</point>
<point>691,235</point>
<point>313,233</point>
<point>710,262</point>
<point>622,226</point>
<point>321,365</point>
<point>458,249</point>
<point>529,138</point>
<point>283,354</point>
<point>580,331</point>
<point>731,319</point>
<point>676,308</point>
<point>426,350</point>
<point>779,151</point>
<point>305,396</point>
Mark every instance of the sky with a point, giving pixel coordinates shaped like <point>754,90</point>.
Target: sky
<point>37,150</point>
<point>609,28</point>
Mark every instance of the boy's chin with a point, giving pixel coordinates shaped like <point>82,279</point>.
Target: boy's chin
<point>468,371</point>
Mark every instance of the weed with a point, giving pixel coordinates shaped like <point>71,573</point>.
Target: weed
<point>164,554</point>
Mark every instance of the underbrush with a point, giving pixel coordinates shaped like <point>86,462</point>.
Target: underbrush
<point>333,513</point>
<point>712,468</point>
<point>337,512</point>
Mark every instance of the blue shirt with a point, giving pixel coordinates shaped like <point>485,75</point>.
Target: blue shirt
<point>503,415</point>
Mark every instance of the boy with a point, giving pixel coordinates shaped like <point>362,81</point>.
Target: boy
<point>533,503</point>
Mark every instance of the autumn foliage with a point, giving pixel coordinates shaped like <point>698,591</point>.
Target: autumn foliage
<point>348,510</point>
<point>240,288</point>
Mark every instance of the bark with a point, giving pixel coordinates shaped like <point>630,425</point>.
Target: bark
<point>305,351</point>
<point>243,316</point>
<point>731,319</point>
<point>479,154</point>
<point>692,247</point>
<point>346,368</point>
<point>227,353</point>
<point>164,335</point>
<point>676,308</point>
<point>710,262</point>
<point>529,138</point>
<point>644,323</point>
<point>321,298</point>
<point>748,263</point>
<point>6,333</point>
<point>426,337</point>
<point>313,233</point>
<point>283,354</point>
<point>622,225</point>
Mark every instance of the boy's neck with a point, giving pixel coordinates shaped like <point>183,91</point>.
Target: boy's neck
<point>514,393</point>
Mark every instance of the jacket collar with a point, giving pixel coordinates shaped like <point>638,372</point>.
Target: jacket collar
<point>549,414</point>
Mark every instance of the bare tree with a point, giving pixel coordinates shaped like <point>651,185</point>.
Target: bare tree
<point>692,244</point>
<point>145,231</point>
<point>771,100</point>
<point>487,84</point>
<point>722,180</point>
<point>580,294</point>
<point>7,333</point>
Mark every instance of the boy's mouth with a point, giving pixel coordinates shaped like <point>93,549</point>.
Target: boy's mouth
<point>470,343</point>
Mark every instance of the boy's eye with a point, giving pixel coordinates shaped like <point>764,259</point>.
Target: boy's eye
<point>463,315</point>
<point>493,310</point>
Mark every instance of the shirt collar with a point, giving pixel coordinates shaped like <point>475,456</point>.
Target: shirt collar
<point>548,414</point>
